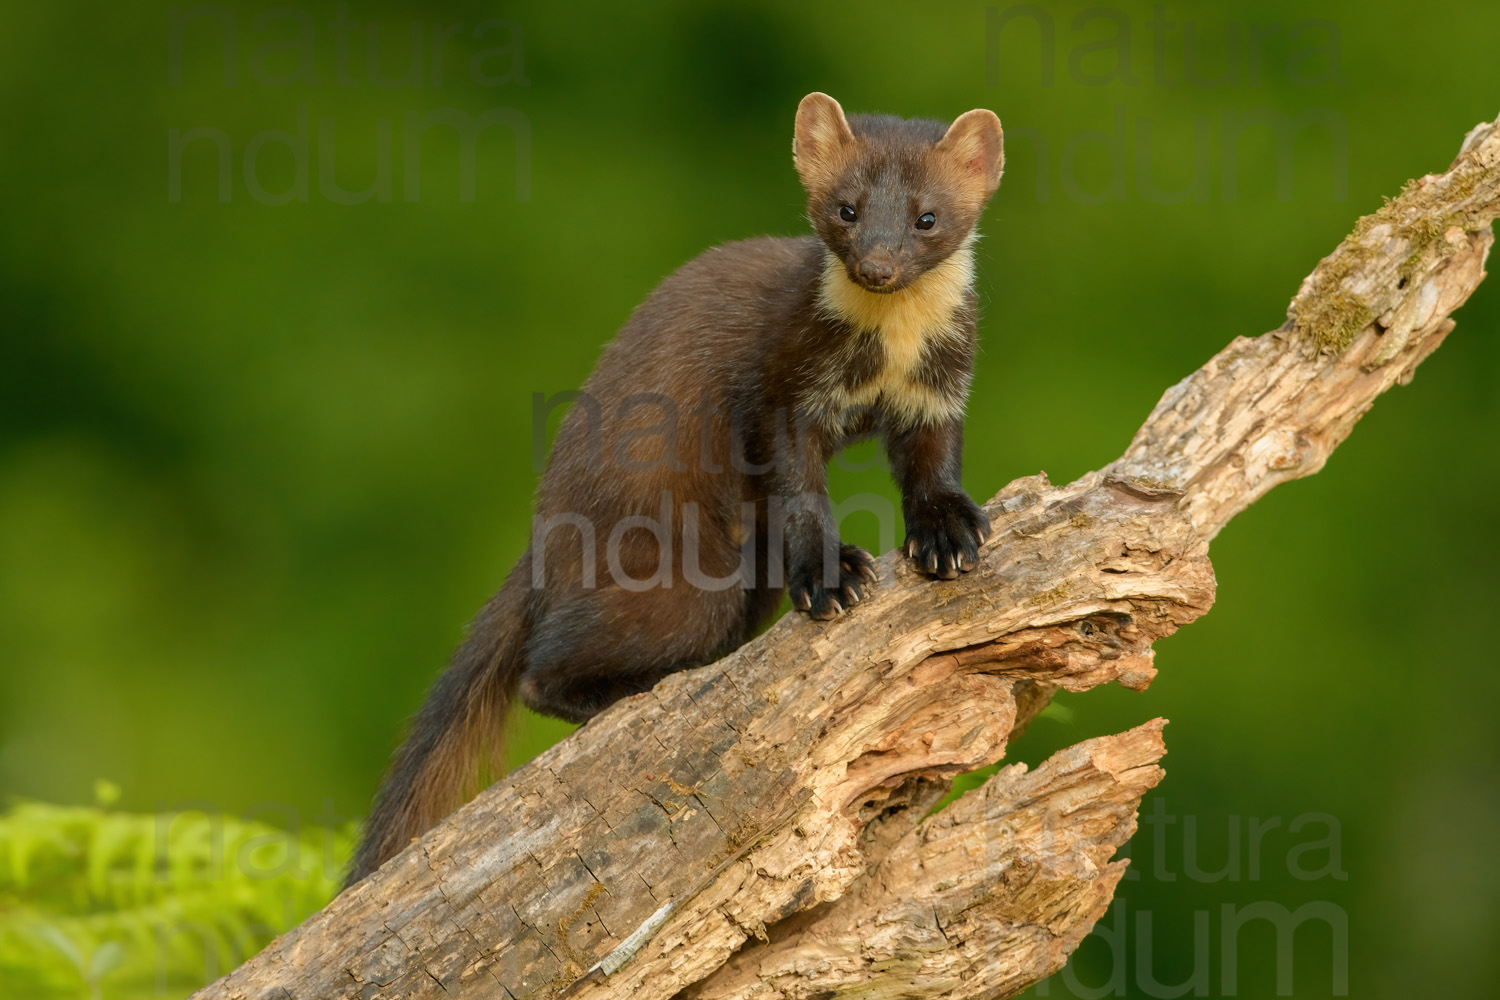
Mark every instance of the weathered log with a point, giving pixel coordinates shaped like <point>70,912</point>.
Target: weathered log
<point>776,797</point>
<point>989,895</point>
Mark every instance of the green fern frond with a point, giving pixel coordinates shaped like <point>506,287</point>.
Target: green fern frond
<point>109,905</point>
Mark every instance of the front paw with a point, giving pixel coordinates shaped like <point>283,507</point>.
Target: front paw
<point>823,599</point>
<point>943,535</point>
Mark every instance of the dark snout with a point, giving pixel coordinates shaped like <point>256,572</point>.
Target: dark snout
<point>876,272</point>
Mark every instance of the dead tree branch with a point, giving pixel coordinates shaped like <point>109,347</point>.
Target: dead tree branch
<point>754,828</point>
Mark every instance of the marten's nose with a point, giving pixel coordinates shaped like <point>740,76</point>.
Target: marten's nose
<point>876,272</point>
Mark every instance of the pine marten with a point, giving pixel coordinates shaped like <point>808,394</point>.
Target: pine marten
<point>695,461</point>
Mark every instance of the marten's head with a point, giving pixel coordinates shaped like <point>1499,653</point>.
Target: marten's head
<point>891,198</point>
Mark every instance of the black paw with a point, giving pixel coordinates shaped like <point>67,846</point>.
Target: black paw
<point>856,572</point>
<point>943,535</point>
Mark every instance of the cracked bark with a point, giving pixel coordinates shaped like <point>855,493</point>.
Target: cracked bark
<point>780,835</point>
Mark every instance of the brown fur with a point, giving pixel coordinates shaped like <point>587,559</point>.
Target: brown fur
<point>713,414</point>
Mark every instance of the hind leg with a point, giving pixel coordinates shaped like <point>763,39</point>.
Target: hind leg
<point>603,645</point>
<point>575,676</point>
<point>578,697</point>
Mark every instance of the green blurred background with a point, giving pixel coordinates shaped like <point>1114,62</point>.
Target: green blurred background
<point>259,463</point>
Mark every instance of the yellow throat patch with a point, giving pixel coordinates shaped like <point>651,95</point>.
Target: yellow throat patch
<point>905,321</point>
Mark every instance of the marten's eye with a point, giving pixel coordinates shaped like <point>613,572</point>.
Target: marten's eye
<point>927,221</point>
<point>848,214</point>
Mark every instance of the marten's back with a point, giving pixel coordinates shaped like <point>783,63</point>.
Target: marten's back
<point>710,316</point>
<point>670,376</point>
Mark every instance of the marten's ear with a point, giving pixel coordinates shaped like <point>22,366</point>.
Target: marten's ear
<point>820,141</point>
<point>975,142</point>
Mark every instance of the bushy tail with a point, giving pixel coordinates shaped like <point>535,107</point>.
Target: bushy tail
<point>456,738</point>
